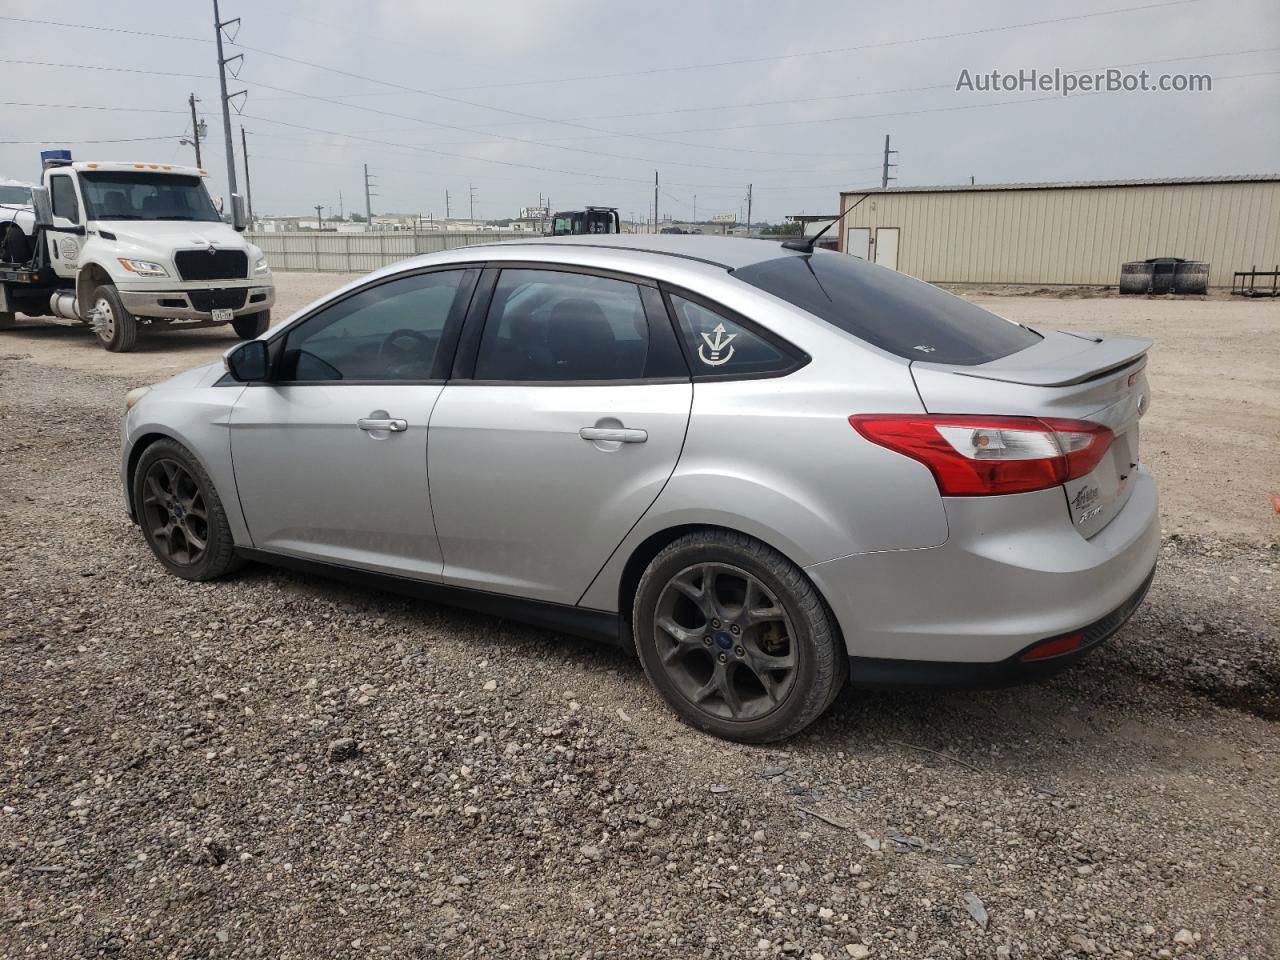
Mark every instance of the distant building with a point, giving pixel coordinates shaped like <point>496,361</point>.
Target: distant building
<point>1065,233</point>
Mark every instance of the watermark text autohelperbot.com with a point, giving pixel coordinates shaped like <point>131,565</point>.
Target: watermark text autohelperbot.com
<point>1066,83</point>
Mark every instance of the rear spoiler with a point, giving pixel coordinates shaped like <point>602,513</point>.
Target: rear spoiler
<point>1062,358</point>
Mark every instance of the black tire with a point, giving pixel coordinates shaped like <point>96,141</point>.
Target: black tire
<point>251,326</point>
<point>802,634</point>
<point>177,505</point>
<point>113,325</point>
<point>15,246</point>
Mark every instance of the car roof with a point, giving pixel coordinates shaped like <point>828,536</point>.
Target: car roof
<point>730,253</point>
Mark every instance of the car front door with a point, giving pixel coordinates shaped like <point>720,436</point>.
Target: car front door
<point>330,456</point>
<point>565,419</point>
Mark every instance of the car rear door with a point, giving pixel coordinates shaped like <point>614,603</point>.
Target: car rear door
<point>564,419</point>
<point>330,456</point>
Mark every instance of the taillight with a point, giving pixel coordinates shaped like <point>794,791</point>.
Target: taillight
<point>973,456</point>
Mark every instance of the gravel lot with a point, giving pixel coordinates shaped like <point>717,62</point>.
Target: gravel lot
<point>279,766</point>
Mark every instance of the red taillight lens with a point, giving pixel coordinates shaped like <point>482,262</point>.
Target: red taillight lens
<point>974,456</point>
<point>1055,647</point>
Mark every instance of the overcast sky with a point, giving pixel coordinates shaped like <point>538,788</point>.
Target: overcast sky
<point>639,86</point>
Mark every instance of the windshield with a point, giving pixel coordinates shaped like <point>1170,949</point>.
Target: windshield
<point>15,194</point>
<point>112,195</point>
<point>888,309</point>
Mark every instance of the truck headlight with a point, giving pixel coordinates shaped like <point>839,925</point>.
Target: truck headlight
<point>144,268</point>
<point>260,268</point>
<point>134,395</point>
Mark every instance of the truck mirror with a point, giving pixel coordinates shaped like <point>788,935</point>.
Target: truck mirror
<point>238,218</point>
<point>248,362</point>
<point>42,206</point>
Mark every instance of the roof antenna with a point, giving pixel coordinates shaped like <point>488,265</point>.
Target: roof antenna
<point>805,244</point>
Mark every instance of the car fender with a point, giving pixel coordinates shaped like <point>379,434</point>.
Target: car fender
<point>199,419</point>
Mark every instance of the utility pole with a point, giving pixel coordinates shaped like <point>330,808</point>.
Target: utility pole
<point>195,129</point>
<point>218,26</point>
<point>472,191</point>
<point>748,209</point>
<point>655,201</point>
<point>248,190</point>
<point>319,221</point>
<point>368,192</point>
<point>884,177</point>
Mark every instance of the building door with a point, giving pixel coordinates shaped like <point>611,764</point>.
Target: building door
<point>857,241</point>
<point>887,247</point>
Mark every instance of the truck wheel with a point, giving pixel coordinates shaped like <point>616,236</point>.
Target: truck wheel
<point>251,326</point>
<point>114,326</point>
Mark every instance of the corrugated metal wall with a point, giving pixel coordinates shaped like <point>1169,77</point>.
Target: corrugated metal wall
<point>1075,235</point>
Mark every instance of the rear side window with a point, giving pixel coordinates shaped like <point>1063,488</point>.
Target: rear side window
<point>546,325</point>
<point>889,310</point>
<point>719,345</point>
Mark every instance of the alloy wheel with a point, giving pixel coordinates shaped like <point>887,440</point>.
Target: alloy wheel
<point>725,641</point>
<point>174,512</point>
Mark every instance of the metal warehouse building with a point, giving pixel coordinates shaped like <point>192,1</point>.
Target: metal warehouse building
<point>1066,233</point>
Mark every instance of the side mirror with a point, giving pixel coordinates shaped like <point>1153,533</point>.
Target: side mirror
<point>239,220</point>
<point>248,362</point>
<point>42,206</point>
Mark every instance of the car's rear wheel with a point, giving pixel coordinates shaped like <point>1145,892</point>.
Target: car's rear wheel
<point>181,514</point>
<point>736,638</point>
<point>113,325</point>
<point>250,326</point>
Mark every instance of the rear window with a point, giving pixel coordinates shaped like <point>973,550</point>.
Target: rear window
<point>889,309</point>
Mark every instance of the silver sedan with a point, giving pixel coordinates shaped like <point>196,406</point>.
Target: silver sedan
<point>766,471</point>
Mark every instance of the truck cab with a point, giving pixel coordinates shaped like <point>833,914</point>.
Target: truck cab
<point>570,223</point>
<point>139,244</point>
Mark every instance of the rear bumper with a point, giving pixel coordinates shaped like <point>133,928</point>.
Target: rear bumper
<point>196,304</point>
<point>884,672</point>
<point>1013,571</point>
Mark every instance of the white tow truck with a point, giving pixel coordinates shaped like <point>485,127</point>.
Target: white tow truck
<point>122,245</point>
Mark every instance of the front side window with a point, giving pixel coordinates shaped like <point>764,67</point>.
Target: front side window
<point>720,346</point>
<point>386,332</point>
<point>118,195</point>
<point>62,194</point>
<point>545,325</point>
<point>888,309</point>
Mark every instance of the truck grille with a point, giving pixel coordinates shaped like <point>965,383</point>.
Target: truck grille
<point>218,265</point>
<point>206,300</point>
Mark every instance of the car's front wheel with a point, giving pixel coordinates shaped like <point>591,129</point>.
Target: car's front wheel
<point>736,638</point>
<point>181,514</point>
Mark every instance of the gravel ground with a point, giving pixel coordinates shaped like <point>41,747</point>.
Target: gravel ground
<point>280,766</point>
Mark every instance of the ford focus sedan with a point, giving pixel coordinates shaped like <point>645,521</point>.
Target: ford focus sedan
<point>765,471</point>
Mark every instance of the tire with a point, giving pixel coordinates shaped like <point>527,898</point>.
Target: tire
<point>15,246</point>
<point>170,491</point>
<point>747,666</point>
<point>251,326</point>
<point>113,325</point>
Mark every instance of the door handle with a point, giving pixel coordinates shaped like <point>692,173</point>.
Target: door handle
<point>614,434</point>
<point>390,425</point>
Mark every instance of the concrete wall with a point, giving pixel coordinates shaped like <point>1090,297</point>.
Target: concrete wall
<point>1077,235</point>
<point>360,252</point>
